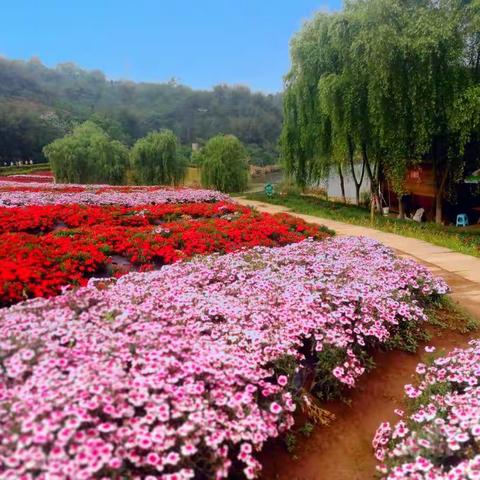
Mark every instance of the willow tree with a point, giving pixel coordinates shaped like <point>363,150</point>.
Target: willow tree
<point>154,160</point>
<point>87,155</point>
<point>445,77</point>
<point>343,99</point>
<point>326,105</point>
<point>378,62</point>
<point>306,136</point>
<point>224,164</point>
<point>400,81</point>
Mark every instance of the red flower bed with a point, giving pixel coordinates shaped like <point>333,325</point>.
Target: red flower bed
<point>45,248</point>
<point>35,189</point>
<point>37,177</point>
<point>45,218</point>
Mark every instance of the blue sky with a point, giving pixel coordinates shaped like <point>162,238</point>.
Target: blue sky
<point>200,42</point>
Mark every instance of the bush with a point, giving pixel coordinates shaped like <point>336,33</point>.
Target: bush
<point>87,155</point>
<point>224,164</point>
<point>154,160</point>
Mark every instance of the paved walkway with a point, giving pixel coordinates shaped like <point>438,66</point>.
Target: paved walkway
<point>462,272</point>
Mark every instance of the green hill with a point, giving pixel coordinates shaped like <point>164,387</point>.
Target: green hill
<point>38,104</point>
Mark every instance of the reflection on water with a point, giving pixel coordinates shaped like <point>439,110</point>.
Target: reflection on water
<point>258,183</point>
<point>331,184</point>
<point>334,190</point>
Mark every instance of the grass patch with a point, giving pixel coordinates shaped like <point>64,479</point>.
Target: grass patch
<point>447,314</point>
<point>24,169</point>
<point>465,240</point>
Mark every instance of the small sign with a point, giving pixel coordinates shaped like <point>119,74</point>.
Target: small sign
<point>269,190</point>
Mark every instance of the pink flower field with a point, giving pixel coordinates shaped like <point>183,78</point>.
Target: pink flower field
<point>16,194</point>
<point>437,437</point>
<point>186,372</point>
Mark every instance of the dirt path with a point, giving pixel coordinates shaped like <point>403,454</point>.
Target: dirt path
<point>342,451</point>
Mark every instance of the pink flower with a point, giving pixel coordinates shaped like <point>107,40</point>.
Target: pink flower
<point>153,459</point>
<point>275,408</point>
<point>188,449</point>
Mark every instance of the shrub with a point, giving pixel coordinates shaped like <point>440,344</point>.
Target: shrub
<point>154,160</point>
<point>87,155</point>
<point>224,164</point>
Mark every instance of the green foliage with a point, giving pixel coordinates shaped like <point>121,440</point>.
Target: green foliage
<point>262,155</point>
<point>224,164</point>
<point>24,169</point>
<point>25,129</point>
<point>290,442</point>
<point>185,154</point>
<point>307,428</point>
<point>87,155</point>
<point>196,158</point>
<point>391,82</point>
<point>445,313</point>
<point>111,126</point>
<point>327,386</point>
<point>291,437</point>
<point>154,160</point>
<point>305,139</point>
<point>406,337</point>
<point>39,104</point>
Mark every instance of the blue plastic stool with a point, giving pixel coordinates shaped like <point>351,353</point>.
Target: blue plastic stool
<point>462,220</point>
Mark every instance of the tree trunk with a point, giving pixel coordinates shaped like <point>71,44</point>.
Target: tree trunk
<point>438,208</point>
<point>439,184</point>
<point>401,208</point>
<point>372,210</point>
<point>373,181</point>
<point>358,183</point>
<point>342,183</point>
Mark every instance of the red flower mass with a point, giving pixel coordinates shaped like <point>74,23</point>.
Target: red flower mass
<point>45,248</point>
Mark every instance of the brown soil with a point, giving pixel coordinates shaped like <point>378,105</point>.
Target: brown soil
<point>342,450</point>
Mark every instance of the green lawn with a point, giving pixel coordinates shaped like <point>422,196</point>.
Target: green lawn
<point>464,240</point>
<point>24,169</point>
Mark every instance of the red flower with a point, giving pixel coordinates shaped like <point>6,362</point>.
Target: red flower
<point>45,248</point>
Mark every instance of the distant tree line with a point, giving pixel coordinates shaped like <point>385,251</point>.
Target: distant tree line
<point>39,104</point>
<point>387,84</point>
<point>91,153</point>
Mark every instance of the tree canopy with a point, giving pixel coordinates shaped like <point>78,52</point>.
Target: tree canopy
<point>154,160</point>
<point>224,164</point>
<point>387,83</point>
<point>88,155</point>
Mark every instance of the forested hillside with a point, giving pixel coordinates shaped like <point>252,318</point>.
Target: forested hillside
<point>39,104</point>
